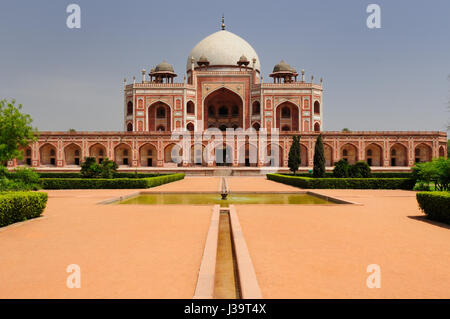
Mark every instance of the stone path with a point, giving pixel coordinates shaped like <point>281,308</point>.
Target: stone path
<point>323,251</point>
<point>124,251</point>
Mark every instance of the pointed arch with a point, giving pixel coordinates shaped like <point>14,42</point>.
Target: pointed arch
<point>316,108</point>
<point>256,126</point>
<point>256,108</point>
<point>98,150</point>
<point>273,151</point>
<point>374,154</point>
<point>398,155</point>
<point>224,154</point>
<point>72,154</point>
<point>26,160</point>
<point>123,154</point>
<point>47,154</point>
<point>248,154</point>
<point>169,157</point>
<point>148,155</point>
<point>190,127</point>
<point>316,127</point>
<point>159,116</point>
<point>328,152</point>
<point>441,151</point>
<point>287,116</point>
<point>197,157</point>
<point>349,153</point>
<point>222,107</point>
<point>422,153</point>
<point>190,108</point>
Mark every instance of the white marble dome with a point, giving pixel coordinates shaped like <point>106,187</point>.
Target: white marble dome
<point>223,48</point>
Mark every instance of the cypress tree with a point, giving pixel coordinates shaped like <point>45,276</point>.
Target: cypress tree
<point>294,154</point>
<point>319,158</point>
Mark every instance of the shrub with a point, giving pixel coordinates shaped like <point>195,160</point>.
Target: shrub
<point>341,169</point>
<point>90,168</point>
<point>108,168</point>
<point>102,183</point>
<point>3,172</point>
<point>27,176</point>
<point>436,171</point>
<point>436,205</point>
<point>422,187</point>
<point>20,206</point>
<point>344,183</point>
<point>22,179</point>
<point>360,170</point>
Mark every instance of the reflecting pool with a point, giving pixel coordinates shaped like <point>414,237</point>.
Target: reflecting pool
<point>236,199</point>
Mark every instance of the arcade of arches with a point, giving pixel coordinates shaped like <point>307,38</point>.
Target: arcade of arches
<point>159,152</point>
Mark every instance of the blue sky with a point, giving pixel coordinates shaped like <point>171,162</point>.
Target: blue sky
<point>393,78</point>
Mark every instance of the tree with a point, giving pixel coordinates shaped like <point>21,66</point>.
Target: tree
<point>345,129</point>
<point>360,170</point>
<point>436,171</point>
<point>341,169</point>
<point>15,131</point>
<point>319,158</point>
<point>294,154</point>
<point>90,168</point>
<point>108,168</point>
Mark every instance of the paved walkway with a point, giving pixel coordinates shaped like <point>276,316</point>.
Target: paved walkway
<point>124,251</point>
<point>133,251</point>
<point>324,251</point>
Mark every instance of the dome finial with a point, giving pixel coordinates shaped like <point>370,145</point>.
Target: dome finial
<point>223,22</point>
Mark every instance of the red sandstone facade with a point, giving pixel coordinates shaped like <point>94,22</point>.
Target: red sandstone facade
<point>224,90</point>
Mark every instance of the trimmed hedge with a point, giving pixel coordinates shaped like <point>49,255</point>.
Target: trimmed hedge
<point>19,206</point>
<point>372,174</point>
<point>344,183</point>
<point>102,183</point>
<point>436,205</point>
<point>59,175</point>
<point>138,175</point>
<point>116,175</point>
<point>391,175</point>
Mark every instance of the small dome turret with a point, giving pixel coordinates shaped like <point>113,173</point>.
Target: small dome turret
<point>243,61</point>
<point>283,72</point>
<point>162,73</point>
<point>164,67</point>
<point>203,61</point>
<point>282,67</point>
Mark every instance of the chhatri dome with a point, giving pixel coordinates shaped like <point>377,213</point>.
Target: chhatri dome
<point>223,48</point>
